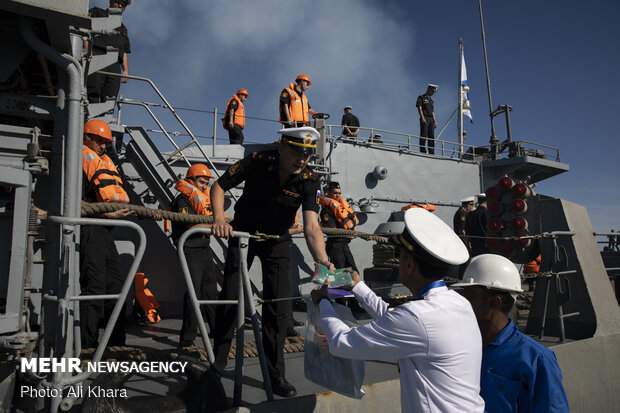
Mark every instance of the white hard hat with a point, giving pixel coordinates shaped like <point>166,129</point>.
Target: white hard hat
<point>492,271</point>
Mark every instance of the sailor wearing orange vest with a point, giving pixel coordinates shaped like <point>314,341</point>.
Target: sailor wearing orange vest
<point>337,213</point>
<point>100,269</point>
<point>234,120</point>
<point>194,198</point>
<point>294,106</point>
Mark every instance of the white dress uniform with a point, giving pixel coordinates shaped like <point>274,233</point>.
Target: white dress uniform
<point>436,340</point>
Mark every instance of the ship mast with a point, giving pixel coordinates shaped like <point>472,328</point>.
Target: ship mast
<point>459,119</point>
<point>493,139</point>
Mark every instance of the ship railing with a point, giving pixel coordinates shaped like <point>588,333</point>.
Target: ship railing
<point>178,152</point>
<point>399,141</point>
<point>520,148</point>
<point>70,305</point>
<point>244,292</point>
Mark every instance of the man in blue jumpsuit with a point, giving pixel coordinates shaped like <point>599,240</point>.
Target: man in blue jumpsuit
<point>517,374</point>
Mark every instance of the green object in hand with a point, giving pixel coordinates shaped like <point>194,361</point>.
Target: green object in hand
<point>340,278</point>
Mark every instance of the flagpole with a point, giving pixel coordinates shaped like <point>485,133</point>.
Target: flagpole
<point>459,119</point>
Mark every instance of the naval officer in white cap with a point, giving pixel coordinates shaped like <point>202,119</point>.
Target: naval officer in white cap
<point>434,338</point>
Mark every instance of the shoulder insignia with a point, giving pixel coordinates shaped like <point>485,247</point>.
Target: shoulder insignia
<point>304,175</point>
<point>284,94</point>
<point>183,210</point>
<point>463,218</point>
<point>234,168</point>
<point>270,168</point>
<point>308,174</point>
<point>318,195</point>
<point>263,156</point>
<point>326,217</point>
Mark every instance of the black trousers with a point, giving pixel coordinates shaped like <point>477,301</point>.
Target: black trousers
<point>340,255</point>
<point>427,130</point>
<point>203,272</point>
<point>275,260</point>
<point>100,273</point>
<point>235,135</point>
<point>100,87</point>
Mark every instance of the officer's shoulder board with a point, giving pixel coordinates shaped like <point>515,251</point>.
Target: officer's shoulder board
<point>309,175</point>
<point>263,156</point>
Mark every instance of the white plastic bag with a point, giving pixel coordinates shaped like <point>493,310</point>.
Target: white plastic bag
<point>344,376</point>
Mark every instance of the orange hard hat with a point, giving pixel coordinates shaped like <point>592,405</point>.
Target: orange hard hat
<point>243,92</point>
<point>303,77</point>
<point>198,170</point>
<point>99,128</point>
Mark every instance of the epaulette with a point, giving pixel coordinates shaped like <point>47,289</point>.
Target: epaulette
<point>310,175</point>
<point>264,156</point>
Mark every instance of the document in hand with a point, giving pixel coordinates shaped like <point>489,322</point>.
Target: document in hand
<point>339,279</point>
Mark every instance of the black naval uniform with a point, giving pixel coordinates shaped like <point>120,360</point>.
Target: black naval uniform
<point>476,227</point>
<point>459,224</point>
<point>427,130</point>
<point>100,273</point>
<point>100,87</point>
<point>337,248</point>
<point>267,207</point>
<point>202,270</point>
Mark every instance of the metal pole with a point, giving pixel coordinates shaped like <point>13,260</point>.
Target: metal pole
<point>493,140</point>
<point>459,119</point>
<point>214,128</point>
<point>243,254</point>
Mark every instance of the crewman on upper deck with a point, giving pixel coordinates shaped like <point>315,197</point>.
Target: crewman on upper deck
<point>428,123</point>
<point>476,227</point>
<point>294,106</point>
<point>337,213</point>
<point>100,87</point>
<point>100,268</point>
<point>350,123</point>
<point>194,198</point>
<point>518,374</point>
<point>277,183</point>
<point>234,119</point>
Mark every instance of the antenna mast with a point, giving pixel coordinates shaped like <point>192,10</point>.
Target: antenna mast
<point>493,140</point>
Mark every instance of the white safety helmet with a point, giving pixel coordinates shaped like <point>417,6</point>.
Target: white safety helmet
<point>492,271</point>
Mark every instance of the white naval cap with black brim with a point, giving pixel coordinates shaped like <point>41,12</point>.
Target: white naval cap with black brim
<point>300,139</point>
<point>430,239</point>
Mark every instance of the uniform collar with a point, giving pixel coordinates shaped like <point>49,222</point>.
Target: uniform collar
<point>436,284</point>
<point>505,335</point>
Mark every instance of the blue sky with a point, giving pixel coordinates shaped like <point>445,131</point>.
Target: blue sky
<point>555,62</point>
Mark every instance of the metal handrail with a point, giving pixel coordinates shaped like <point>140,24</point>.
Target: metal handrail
<point>175,114</point>
<point>120,298</point>
<point>391,144</point>
<point>244,283</point>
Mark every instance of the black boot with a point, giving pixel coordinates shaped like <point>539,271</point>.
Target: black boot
<point>283,388</point>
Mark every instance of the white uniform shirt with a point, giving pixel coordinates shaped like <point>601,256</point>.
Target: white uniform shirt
<point>436,341</point>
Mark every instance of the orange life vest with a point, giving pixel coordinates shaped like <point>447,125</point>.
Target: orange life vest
<point>239,116</point>
<point>145,299</point>
<point>101,172</point>
<point>298,106</point>
<point>532,267</point>
<point>342,211</point>
<point>201,202</point>
<point>428,207</point>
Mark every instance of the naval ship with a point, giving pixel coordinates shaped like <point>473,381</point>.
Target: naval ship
<point>43,106</point>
